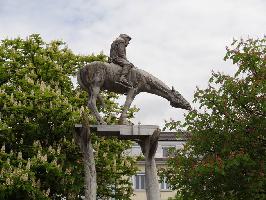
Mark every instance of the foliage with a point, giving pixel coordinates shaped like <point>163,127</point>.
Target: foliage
<point>18,175</point>
<point>39,105</point>
<point>225,156</point>
<point>115,171</point>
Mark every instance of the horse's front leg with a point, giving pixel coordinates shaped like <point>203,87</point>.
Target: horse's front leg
<point>92,104</point>
<point>130,97</point>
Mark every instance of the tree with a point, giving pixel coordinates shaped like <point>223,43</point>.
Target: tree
<point>225,155</point>
<point>38,110</point>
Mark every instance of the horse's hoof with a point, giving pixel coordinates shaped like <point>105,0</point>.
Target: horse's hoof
<point>121,122</point>
<point>124,122</point>
<point>101,123</point>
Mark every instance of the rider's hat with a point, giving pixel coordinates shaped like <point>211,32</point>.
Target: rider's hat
<point>125,36</point>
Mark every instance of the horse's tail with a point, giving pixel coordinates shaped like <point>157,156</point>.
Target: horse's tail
<point>82,76</point>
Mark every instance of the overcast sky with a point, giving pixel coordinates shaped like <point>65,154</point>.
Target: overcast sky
<point>178,41</point>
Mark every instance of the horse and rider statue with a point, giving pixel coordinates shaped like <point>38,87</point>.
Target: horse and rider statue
<point>122,77</point>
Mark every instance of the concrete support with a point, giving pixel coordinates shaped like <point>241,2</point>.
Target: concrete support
<point>83,138</point>
<point>146,135</point>
<point>149,146</point>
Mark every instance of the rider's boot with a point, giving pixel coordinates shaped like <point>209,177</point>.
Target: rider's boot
<point>123,79</point>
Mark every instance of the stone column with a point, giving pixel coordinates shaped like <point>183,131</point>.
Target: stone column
<point>83,138</point>
<point>149,146</point>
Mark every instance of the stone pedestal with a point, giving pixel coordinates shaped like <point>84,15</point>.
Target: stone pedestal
<point>147,136</point>
<point>127,132</point>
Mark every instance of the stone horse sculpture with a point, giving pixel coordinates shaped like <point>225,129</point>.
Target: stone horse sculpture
<point>97,76</point>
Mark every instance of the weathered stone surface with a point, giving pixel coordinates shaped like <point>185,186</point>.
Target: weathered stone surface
<point>97,76</point>
<point>147,136</point>
<point>149,146</point>
<point>123,131</point>
<point>83,138</point>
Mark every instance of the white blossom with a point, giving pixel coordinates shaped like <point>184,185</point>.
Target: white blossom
<point>12,97</point>
<point>20,155</point>
<point>39,154</point>
<point>24,177</point>
<point>54,162</point>
<point>44,158</point>
<point>58,150</point>
<point>3,148</point>
<point>8,182</point>
<point>28,164</point>
<point>42,86</point>
<point>47,192</point>
<point>38,184</point>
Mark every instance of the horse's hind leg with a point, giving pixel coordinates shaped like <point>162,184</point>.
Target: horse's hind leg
<point>92,104</point>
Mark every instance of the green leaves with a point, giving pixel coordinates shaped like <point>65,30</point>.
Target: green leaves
<point>115,168</point>
<point>225,156</point>
<point>20,177</point>
<point>38,102</point>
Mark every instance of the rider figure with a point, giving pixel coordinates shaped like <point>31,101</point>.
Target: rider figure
<point>118,56</point>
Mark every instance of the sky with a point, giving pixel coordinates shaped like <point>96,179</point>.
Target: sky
<point>178,41</point>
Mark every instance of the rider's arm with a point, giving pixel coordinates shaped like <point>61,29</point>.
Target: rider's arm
<point>121,48</point>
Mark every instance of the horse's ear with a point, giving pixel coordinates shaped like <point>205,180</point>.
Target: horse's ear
<point>173,89</point>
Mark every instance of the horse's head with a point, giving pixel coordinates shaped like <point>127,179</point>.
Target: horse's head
<point>178,101</point>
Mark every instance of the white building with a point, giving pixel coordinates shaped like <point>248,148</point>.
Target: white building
<point>167,140</point>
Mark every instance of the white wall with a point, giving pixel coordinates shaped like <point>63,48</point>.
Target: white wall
<point>136,151</point>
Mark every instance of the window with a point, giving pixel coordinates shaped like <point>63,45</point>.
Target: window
<point>139,182</point>
<point>166,152</point>
<point>136,150</point>
<point>164,185</point>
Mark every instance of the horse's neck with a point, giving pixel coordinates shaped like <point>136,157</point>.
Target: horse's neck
<point>160,92</point>
<point>157,87</point>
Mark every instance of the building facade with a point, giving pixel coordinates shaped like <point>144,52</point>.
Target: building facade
<point>166,141</point>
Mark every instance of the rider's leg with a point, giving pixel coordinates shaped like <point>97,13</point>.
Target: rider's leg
<point>125,71</point>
